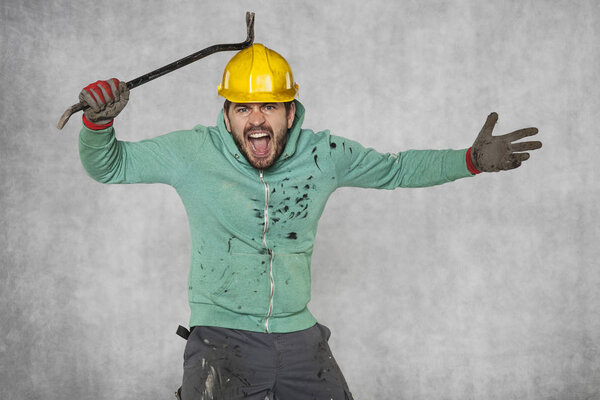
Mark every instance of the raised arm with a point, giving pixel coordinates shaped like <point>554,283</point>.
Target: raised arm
<point>162,159</point>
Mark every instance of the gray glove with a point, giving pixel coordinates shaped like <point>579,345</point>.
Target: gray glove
<point>106,100</point>
<point>495,153</point>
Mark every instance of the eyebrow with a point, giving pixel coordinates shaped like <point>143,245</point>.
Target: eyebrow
<point>247,105</point>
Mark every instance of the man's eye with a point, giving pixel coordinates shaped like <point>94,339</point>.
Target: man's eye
<point>242,109</point>
<point>269,107</point>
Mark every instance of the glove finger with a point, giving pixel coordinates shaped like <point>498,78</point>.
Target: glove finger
<point>511,164</point>
<point>515,160</point>
<point>98,97</point>
<point>85,96</point>
<point>106,92</point>
<point>519,156</point>
<point>97,93</point>
<point>519,134</point>
<point>114,88</point>
<point>488,126</point>
<point>524,146</point>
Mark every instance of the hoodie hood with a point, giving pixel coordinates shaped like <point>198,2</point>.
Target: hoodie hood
<point>290,147</point>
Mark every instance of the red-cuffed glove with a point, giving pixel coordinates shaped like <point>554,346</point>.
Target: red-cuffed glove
<point>106,99</point>
<point>496,153</point>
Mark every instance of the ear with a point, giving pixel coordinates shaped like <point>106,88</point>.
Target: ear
<point>226,118</point>
<point>290,116</point>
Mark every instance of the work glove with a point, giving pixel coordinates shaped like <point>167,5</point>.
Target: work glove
<point>496,153</point>
<point>106,99</point>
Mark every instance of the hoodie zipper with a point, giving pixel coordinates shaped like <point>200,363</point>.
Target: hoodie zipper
<point>264,240</point>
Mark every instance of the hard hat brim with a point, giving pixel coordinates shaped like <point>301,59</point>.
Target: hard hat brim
<point>259,97</point>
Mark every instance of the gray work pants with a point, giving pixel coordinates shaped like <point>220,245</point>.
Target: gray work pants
<point>229,364</point>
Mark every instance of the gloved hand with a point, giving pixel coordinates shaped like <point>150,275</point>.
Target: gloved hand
<point>106,100</point>
<point>495,153</point>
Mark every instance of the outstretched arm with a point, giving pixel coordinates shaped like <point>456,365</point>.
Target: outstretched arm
<point>363,167</point>
<point>417,168</point>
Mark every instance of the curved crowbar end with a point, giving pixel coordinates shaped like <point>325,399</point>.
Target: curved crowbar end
<point>250,27</point>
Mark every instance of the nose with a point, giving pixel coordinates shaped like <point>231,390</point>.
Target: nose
<point>256,117</point>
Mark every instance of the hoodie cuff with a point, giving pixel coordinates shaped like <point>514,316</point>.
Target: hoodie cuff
<point>96,127</point>
<point>470,165</point>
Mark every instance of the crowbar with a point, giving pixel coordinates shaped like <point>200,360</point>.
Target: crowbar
<point>173,66</point>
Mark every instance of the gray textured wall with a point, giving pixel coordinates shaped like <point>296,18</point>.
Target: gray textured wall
<point>486,288</point>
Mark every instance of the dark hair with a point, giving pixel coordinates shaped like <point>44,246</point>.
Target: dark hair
<point>287,105</point>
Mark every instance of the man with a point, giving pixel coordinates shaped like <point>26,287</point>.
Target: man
<point>254,187</point>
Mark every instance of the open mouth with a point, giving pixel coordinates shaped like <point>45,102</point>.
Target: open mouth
<point>260,143</point>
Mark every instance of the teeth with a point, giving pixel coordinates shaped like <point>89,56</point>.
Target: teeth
<point>258,135</point>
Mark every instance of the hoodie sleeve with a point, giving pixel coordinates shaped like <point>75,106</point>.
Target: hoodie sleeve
<point>364,167</point>
<point>162,159</point>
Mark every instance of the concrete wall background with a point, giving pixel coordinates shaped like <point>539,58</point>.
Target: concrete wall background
<point>486,288</point>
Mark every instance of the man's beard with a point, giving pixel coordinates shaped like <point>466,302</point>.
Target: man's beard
<point>278,142</point>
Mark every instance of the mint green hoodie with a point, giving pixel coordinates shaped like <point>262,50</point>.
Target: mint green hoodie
<point>253,231</point>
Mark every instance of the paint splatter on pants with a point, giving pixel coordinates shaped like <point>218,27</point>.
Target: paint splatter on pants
<point>227,364</point>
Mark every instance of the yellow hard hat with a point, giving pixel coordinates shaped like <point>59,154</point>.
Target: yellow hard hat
<point>258,75</point>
